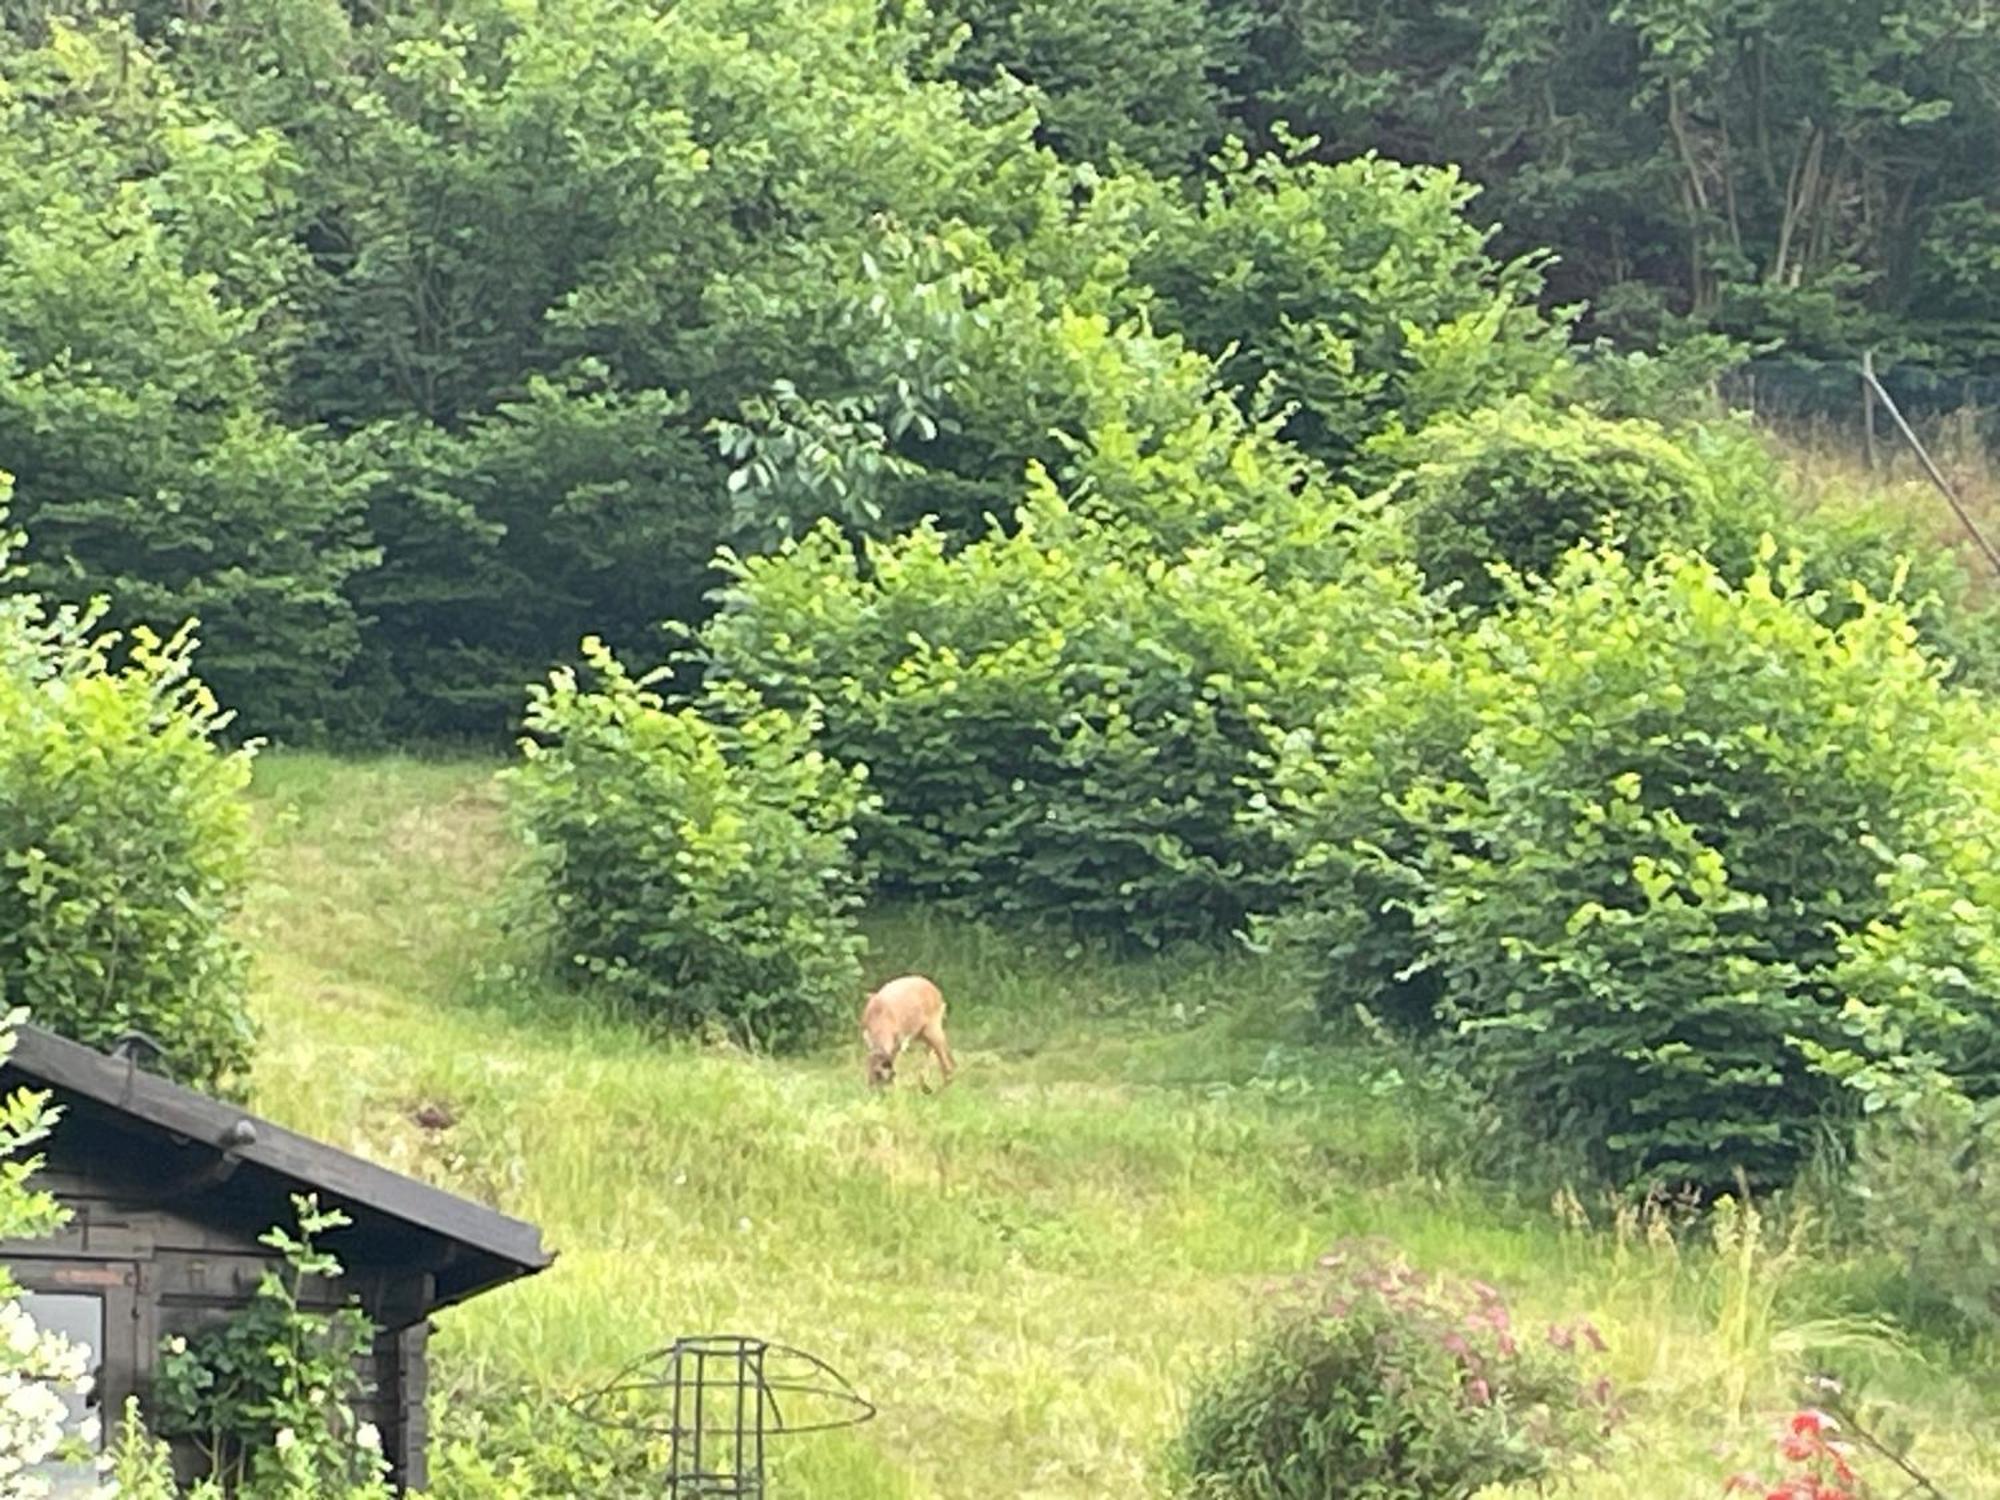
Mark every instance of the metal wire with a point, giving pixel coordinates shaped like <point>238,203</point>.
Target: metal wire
<point>732,1383</point>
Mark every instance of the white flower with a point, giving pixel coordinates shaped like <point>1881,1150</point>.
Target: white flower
<point>177,1345</point>
<point>369,1436</point>
<point>286,1437</point>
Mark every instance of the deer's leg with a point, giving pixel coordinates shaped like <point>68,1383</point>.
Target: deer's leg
<point>933,1035</point>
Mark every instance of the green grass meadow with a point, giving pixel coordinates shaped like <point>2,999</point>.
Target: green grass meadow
<point>1024,1271</point>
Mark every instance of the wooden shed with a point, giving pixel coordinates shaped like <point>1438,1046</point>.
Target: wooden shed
<point>169,1190</point>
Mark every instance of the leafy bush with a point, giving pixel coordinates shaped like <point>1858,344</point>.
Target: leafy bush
<point>268,1394</point>
<point>149,237</point>
<point>525,1445</point>
<point>1058,721</point>
<point>39,1371</point>
<point>1520,485</point>
<point>1361,295</point>
<point>1142,77</point>
<point>691,862</point>
<point>142,1464</point>
<point>1638,840</point>
<point>1385,1383</point>
<point>124,839</point>
<point>1845,533</point>
<point>1928,1176</point>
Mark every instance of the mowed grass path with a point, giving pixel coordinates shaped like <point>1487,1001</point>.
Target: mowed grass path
<point>1023,1271</point>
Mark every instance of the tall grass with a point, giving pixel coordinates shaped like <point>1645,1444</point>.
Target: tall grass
<point>1023,1271</point>
<point>1827,469</point>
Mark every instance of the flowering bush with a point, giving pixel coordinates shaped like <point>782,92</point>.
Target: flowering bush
<point>1386,1383</point>
<point>37,1369</point>
<point>1821,1447</point>
<point>1822,1465</point>
<point>268,1396</point>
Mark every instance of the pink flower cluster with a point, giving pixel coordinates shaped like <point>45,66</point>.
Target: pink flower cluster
<point>1469,1320</point>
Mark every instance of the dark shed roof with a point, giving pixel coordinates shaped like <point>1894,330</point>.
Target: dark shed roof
<point>250,1168</point>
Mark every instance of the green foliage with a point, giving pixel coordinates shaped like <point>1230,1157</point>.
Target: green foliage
<point>268,1395</point>
<point>1677,380</point>
<point>1633,840</point>
<point>1358,297</point>
<point>659,225</point>
<point>1516,487</point>
<point>26,1118</point>
<point>694,862</point>
<point>403,345</point>
<point>504,541</point>
<point>412,345</point>
<point>125,841</point>
<point>1142,79</point>
<point>40,1372</point>
<point>1928,1176</point>
<point>1777,172</point>
<point>145,249</point>
<point>142,1465</point>
<point>1385,1383</point>
<point>1058,722</point>
<point>528,1445</point>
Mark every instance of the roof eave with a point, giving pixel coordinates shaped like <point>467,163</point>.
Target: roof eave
<point>122,1086</point>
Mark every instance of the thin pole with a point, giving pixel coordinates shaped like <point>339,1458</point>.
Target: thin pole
<point>1958,508</point>
<point>674,1455</point>
<point>1868,408</point>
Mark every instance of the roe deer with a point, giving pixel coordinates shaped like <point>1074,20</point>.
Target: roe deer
<point>902,1011</point>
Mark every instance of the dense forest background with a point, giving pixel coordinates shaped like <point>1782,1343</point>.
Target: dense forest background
<point>405,344</point>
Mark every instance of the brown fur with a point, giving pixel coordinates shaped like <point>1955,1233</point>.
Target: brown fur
<point>902,1011</point>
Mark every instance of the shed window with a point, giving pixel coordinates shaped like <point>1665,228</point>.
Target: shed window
<point>79,1318</point>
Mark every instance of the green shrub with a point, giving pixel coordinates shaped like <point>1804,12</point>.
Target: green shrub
<point>1521,484</point>
<point>150,239</point>
<point>1846,534</point>
<point>142,1465</point>
<point>123,842</point>
<point>694,862</point>
<point>1058,722</point>
<point>526,1445</point>
<point>267,1395</point>
<point>1640,838</point>
<point>40,1371</point>
<point>1358,296</point>
<point>1384,1383</point>
<point>1928,1177</point>
<point>1141,77</point>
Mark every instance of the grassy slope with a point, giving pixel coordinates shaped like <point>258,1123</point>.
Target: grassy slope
<point>1024,1270</point>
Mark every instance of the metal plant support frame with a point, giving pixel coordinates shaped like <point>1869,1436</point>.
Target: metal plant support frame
<point>716,1400</point>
